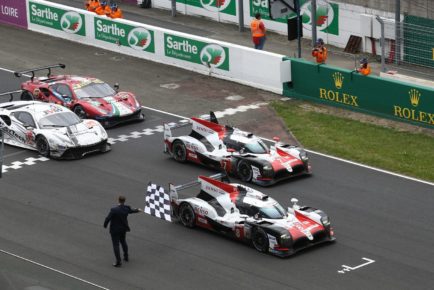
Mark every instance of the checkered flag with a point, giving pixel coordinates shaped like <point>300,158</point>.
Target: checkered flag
<point>157,202</point>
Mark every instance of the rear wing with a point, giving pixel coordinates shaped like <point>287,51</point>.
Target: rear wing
<point>174,189</point>
<point>10,94</point>
<point>168,127</point>
<point>33,70</point>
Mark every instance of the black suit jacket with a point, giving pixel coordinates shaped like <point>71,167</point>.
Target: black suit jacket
<point>118,220</point>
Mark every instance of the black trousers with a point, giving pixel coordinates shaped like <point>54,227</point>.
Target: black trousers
<point>119,238</point>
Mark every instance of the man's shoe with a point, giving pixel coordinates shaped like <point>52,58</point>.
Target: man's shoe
<point>117,264</point>
<point>126,259</point>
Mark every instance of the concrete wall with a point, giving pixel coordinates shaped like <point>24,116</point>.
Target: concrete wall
<point>203,55</point>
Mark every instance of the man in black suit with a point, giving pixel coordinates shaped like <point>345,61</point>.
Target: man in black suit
<point>119,227</point>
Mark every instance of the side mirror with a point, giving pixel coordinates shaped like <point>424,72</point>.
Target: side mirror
<point>116,87</point>
<point>28,126</point>
<point>294,203</point>
<point>67,98</point>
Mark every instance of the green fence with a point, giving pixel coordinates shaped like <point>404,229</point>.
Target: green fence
<point>368,94</point>
<point>419,40</point>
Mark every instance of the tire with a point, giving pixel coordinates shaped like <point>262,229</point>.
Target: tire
<point>179,151</point>
<point>42,146</point>
<point>26,96</point>
<point>260,240</point>
<point>187,215</point>
<point>244,171</point>
<point>80,112</point>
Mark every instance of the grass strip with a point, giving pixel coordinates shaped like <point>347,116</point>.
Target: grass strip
<point>389,149</point>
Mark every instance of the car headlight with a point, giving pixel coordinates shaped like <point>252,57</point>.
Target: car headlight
<point>303,156</point>
<point>268,167</point>
<point>325,220</point>
<point>285,237</point>
<point>102,111</point>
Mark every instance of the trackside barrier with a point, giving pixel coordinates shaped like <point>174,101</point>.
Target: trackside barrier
<point>388,98</point>
<point>203,55</point>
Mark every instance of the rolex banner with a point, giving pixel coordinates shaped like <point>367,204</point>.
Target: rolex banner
<point>369,94</point>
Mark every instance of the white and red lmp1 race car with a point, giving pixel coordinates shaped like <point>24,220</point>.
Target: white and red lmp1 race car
<point>238,152</point>
<point>250,216</point>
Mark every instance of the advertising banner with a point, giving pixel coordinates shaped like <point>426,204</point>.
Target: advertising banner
<point>191,50</point>
<point>138,38</point>
<point>369,94</point>
<point>222,6</point>
<point>13,12</point>
<point>327,14</point>
<point>68,21</point>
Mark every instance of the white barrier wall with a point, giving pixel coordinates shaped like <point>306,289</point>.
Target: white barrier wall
<point>215,58</point>
<point>336,21</point>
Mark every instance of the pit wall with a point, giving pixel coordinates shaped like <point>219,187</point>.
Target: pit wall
<point>383,97</point>
<point>203,55</point>
<point>336,21</point>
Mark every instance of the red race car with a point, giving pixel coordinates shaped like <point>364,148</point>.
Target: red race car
<point>86,96</point>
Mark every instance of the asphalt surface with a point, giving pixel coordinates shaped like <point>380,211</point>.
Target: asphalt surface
<point>51,212</point>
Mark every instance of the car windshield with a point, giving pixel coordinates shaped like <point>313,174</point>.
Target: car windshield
<point>95,90</point>
<point>62,119</point>
<point>274,212</point>
<point>256,147</point>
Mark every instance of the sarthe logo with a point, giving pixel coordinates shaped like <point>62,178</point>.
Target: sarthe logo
<point>414,97</point>
<point>71,22</point>
<point>338,79</point>
<point>212,55</point>
<point>215,5</point>
<point>139,38</point>
<point>327,16</point>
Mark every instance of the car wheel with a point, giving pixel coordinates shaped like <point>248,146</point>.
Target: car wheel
<point>26,96</point>
<point>179,151</point>
<point>186,215</point>
<point>80,112</point>
<point>42,146</point>
<point>244,171</point>
<point>260,240</point>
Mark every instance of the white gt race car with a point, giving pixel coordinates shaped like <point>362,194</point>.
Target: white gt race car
<point>248,215</point>
<point>54,131</point>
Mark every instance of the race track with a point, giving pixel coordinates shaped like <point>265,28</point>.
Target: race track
<point>51,212</point>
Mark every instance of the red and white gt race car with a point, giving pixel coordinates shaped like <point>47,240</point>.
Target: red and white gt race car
<point>239,153</point>
<point>89,98</point>
<point>248,215</point>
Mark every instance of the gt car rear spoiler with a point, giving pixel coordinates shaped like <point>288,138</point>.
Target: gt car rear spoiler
<point>222,176</point>
<point>33,70</point>
<point>11,94</point>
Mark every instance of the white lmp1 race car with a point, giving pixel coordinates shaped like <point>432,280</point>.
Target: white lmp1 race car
<point>239,153</point>
<point>250,216</point>
<point>52,130</point>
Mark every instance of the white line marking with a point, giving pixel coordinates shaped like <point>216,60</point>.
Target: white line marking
<point>52,269</point>
<point>372,168</point>
<point>346,268</point>
<point>18,164</point>
<point>12,71</point>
